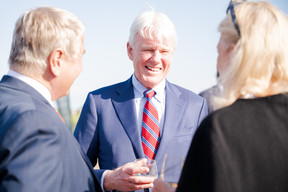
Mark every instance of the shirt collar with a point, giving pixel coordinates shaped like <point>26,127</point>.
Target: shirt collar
<point>139,89</point>
<point>44,91</point>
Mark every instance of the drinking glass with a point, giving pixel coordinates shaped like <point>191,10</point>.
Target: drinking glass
<point>151,164</point>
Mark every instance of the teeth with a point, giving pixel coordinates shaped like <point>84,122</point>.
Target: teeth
<point>153,69</point>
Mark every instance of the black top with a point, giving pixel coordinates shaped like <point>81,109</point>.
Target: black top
<point>243,147</point>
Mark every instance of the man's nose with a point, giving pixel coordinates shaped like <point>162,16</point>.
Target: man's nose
<point>156,57</point>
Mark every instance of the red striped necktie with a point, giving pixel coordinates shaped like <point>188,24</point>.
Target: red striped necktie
<point>150,127</point>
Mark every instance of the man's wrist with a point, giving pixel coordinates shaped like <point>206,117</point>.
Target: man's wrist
<point>105,184</point>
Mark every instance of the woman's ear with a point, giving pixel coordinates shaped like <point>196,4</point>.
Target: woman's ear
<point>55,61</point>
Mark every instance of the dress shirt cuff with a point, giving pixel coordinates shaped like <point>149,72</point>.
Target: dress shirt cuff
<point>102,181</point>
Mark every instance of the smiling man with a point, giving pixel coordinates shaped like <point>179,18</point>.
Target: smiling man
<point>118,124</point>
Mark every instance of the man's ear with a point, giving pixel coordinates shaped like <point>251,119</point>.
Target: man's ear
<point>55,61</point>
<point>231,46</point>
<point>130,51</point>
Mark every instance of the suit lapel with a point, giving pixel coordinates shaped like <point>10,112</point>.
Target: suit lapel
<point>173,112</point>
<point>125,109</point>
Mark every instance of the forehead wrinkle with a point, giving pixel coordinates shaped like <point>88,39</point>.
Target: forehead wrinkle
<point>155,46</point>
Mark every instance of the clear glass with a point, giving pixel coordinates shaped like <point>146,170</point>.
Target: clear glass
<point>151,164</point>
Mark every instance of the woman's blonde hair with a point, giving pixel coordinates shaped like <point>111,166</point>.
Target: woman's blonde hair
<point>259,60</point>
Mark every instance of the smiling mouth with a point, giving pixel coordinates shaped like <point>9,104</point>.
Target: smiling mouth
<point>154,69</point>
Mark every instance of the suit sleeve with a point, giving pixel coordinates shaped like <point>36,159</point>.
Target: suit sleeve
<point>31,154</point>
<point>85,131</point>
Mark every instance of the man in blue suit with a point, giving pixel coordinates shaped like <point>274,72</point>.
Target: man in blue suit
<point>37,150</point>
<point>110,125</point>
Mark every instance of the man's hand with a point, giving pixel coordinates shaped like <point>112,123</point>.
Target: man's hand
<point>123,178</point>
<point>162,186</point>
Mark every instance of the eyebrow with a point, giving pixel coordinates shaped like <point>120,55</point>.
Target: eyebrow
<point>153,47</point>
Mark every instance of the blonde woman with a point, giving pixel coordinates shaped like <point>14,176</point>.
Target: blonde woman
<point>243,146</point>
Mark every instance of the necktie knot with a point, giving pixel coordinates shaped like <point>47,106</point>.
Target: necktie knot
<point>149,93</point>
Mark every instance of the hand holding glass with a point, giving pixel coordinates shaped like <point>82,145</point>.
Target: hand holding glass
<point>152,165</point>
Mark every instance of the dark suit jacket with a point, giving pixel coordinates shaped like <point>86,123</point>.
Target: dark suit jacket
<point>37,150</point>
<point>107,127</point>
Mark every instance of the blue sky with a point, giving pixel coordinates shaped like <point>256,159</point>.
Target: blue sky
<point>107,28</point>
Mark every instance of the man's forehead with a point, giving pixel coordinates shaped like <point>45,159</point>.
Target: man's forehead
<point>149,43</point>
<point>155,45</point>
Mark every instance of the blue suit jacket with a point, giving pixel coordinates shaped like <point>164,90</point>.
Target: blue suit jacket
<point>37,150</point>
<point>107,128</point>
